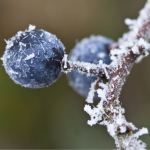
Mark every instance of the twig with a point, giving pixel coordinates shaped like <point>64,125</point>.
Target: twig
<point>85,68</point>
<point>132,46</point>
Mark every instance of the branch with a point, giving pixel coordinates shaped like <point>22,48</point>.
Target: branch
<point>124,54</point>
<point>131,48</point>
<point>100,70</point>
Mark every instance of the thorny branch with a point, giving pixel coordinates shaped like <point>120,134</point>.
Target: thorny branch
<point>131,48</point>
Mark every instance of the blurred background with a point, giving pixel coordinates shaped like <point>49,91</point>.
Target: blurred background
<point>53,117</point>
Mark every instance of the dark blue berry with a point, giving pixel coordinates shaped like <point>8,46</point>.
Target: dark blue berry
<point>33,58</point>
<point>89,50</point>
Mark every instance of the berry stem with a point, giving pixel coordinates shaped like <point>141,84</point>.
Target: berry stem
<point>88,68</point>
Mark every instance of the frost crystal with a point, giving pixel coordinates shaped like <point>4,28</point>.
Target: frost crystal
<point>141,132</point>
<point>65,60</point>
<point>91,93</point>
<point>31,27</point>
<point>29,56</point>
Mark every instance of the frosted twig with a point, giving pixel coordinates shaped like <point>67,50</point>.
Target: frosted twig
<point>88,68</point>
<point>109,111</point>
<point>131,48</point>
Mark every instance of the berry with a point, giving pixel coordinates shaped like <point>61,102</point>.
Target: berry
<point>89,50</point>
<point>33,58</point>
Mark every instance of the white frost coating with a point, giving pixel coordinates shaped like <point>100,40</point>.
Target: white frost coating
<point>129,21</point>
<point>31,27</point>
<point>136,24</point>
<point>141,132</point>
<point>123,129</point>
<point>65,60</point>
<point>115,54</point>
<point>143,43</point>
<point>135,49</point>
<point>106,73</point>
<point>10,42</point>
<point>119,119</point>
<point>111,129</point>
<point>115,78</point>
<point>87,67</point>
<point>96,112</point>
<point>101,55</point>
<point>41,35</point>
<point>12,72</point>
<point>117,123</point>
<point>91,93</point>
<point>101,94</point>
<point>22,44</point>
<point>132,143</point>
<point>29,56</point>
<point>118,51</point>
<point>88,109</point>
<point>100,62</point>
<point>139,59</point>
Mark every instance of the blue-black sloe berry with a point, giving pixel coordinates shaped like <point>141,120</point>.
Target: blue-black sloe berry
<point>89,50</point>
<point>33,58</point>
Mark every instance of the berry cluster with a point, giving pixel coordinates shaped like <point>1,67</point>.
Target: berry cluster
<point>33,59</point>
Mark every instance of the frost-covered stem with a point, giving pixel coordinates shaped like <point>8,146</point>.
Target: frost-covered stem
<point>140,29</point>
<point>132,46</point>
<point>88,68</point>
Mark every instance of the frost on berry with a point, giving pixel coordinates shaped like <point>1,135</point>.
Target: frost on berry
<point>33,58</point>
<point>90,50</point>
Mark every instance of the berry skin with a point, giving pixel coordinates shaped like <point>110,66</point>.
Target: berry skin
<point>89,50</point>
<point>33,58</point>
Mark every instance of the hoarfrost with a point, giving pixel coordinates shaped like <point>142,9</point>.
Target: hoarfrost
<point>106,73</point>
<point>91,93</point>
<point>29,56</point>
<point>65,61</point>
<point>10,42</point>
<point>101,55</point>
<point>12,72</point>
<point>131,42</point>
<point>31,27</point>
<point>141,132</point>
<point>111,129</point>
<point>130,22</point>
<point>139,59</point>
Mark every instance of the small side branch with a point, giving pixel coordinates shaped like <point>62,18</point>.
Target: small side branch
<point>87,68</point>
<point>124,54</point>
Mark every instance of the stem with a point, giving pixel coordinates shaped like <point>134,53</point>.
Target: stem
<point>88,68</point>
<point>109,110</point>
<point>112,77</point>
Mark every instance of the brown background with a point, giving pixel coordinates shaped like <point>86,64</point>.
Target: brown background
<point>53,117</point>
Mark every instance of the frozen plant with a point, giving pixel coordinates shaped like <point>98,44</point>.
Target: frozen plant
<point>36,58</point>
<point>91,50</point>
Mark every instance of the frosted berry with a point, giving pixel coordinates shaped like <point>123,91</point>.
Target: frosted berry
<point>90,50</point>
<point>33,58</point>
